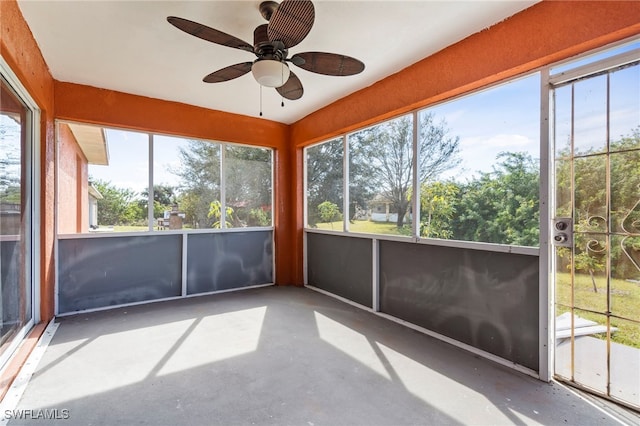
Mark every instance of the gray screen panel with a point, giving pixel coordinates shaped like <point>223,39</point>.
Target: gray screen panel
<point>10,283</point>
<point>99,272</point>
<point>340,265</point>
<point>224,261</point>
<point>486,299</point>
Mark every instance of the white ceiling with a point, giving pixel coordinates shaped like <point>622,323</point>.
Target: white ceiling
<point>130,47</point>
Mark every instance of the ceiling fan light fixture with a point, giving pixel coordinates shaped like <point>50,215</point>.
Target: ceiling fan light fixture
<point>270,73</point>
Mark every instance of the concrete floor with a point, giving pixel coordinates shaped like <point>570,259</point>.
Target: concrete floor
<point>591,366</point>
<point>281,356</point>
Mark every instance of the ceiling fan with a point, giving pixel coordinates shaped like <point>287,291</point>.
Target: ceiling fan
<point>289,23</point>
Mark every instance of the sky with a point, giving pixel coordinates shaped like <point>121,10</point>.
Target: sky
<point>129,160</point>
<point>503,118</point>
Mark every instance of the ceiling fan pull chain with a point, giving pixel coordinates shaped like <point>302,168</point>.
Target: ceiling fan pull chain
<point>282,81</point>
<point>260,100</point>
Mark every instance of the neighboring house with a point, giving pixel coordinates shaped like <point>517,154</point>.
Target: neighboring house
<point>94,196</point>
<point>79,146</point>
<point>381,210</point>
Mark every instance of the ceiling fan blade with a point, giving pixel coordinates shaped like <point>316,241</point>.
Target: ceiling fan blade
<point>209,34</point>
<point>228,73</point>
<point>291,22</point>
<point>328,63</point>
<point>292,89</point>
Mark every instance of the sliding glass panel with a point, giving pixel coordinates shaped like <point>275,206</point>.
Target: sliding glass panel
<point>477,168</point>
<point>625,278</point>
<point>325,185</point>
<point>15,217</point>
<point>590,277</point>
<point>624,120</point>
<point>247,187</point>
<point>186,183</point>
<point>438,153</point>
<point>562,121</point>
<point>590,115</point>
<point>167,168</point>
<point>563,191</point>
<point>590,350</point>
<point>563,362</point>
<point>479,171</point>
<point>625,362</point>
<point>381,178</point>
<point>118,177</point>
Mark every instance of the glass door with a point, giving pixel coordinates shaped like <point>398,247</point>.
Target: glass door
<point>15,220</point>
<point>596,226</point>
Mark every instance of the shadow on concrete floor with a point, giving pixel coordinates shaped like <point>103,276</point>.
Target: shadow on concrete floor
<point>281,356</point>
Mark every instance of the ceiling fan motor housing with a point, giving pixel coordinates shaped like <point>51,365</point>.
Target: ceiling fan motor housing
<point>270,69</point>
<point>266,49</point>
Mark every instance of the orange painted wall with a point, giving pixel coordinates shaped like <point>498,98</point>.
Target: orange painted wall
<point>73,195</point>
<point>104,107</point>
<point>21,52</point>
<point>543,34</point>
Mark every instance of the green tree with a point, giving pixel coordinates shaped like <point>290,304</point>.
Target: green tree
<point>324,177</point>
<point>625,204</point>
<point>590,253</point>
<point>589,206</point>
<point>164,196</point>
<point>215,213</point>
<point>247,182</point>
<point>437,208</point>
<point>388,147</point>
<point>328,212</point>
<point>119,206</point>
<point>189,204</point>
<point>501,206</point>
<point>199,185</point>
<point>258,217</point>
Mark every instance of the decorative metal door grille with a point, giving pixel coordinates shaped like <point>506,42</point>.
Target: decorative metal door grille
<point>596,137</point>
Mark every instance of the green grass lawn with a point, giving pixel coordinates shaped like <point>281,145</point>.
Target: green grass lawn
<point>136,228</point>
<point>130,228</point>
<point>368,227</point>
<point>625,302</point>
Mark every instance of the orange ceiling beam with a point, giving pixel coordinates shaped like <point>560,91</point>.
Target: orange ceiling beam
<point>76,102</point>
